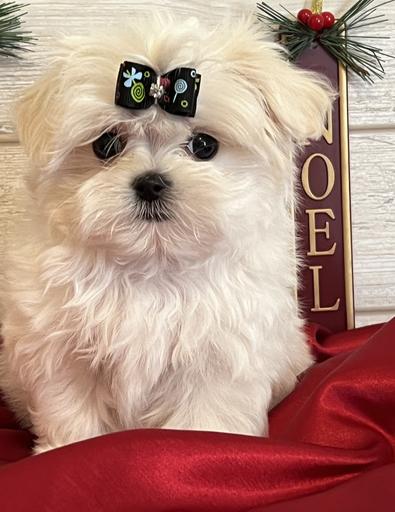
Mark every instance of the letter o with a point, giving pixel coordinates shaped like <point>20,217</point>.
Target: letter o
<point>330,173</point>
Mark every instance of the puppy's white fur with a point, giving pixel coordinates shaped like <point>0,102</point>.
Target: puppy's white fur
<point>113,322</point>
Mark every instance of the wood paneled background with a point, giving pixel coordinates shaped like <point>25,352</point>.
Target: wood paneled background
<point>372,130</point>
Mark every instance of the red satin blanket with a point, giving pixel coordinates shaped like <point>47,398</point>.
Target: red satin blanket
<point>331,449</point>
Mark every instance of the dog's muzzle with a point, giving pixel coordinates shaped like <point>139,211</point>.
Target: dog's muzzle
<point>152,191</point>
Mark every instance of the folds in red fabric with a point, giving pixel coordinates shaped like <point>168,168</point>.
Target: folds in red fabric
<point>331,447</point>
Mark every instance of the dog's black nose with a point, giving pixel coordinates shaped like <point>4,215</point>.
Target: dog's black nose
<point>151,186</point>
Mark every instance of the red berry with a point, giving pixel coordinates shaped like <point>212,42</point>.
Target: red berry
<point>304,16</point>
<point>329,19</point>
<point>316,22</point>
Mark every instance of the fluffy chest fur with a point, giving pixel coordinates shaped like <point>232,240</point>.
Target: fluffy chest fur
<point>100,310</point>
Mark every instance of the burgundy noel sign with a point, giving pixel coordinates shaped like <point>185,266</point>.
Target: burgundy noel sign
<point>323,218</point>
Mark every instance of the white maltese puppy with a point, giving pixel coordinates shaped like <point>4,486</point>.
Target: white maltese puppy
<point>154,282</point>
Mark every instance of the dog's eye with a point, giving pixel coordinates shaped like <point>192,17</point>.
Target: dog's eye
<point>203,146</point>
<point>108,145</point>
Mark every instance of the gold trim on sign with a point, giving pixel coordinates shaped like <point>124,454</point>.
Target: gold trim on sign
<point>346,204</point>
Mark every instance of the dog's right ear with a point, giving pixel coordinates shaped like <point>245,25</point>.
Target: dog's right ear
<point>36,118</point>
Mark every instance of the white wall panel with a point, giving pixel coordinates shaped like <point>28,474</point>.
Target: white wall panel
<point>373,213</point>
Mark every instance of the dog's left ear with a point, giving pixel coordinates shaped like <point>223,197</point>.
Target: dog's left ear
<point>297,101</point>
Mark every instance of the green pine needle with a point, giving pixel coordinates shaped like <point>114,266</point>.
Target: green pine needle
<point>12,38</point>
<point>362,58</point>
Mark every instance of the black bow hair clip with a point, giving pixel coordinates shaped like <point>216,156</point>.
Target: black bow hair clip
<point>139,87</point>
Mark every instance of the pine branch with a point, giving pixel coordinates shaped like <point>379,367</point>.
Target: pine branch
<point>360,56</point>
<point>12,38</point>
